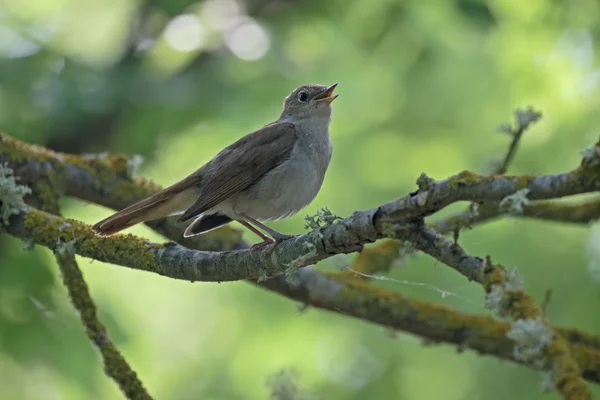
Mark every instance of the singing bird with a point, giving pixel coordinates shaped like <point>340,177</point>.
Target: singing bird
<point>267,175</point>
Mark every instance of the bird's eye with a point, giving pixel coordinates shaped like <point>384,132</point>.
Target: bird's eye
<point>302,96</point>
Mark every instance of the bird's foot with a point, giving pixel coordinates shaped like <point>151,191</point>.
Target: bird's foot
<point>262,244</point>
<point>279,237</point>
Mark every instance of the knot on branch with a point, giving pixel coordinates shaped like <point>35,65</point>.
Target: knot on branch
<point>425,184</point>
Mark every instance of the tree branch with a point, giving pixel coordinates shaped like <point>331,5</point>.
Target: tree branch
<point>434,322</point>
<point>346,236</point>
<point>99,177</point>
<point>523,119</point>
<point>485,212</point>
<point>352,297</point>
<point>178,262</point>
<point>115,365</point>
<point>469,186</point>
<point>506,295</point>
<point>379,258</point>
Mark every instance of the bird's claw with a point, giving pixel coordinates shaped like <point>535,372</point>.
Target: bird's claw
<point>278,238</point>
<point>262,244</point>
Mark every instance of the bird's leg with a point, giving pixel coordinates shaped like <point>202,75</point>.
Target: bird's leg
<point>274,234</point>
<point>266,240</point>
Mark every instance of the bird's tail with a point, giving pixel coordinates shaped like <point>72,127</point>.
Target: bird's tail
<point>160,205</point>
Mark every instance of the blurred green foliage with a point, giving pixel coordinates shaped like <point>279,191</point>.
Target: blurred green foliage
<point>422,87</point>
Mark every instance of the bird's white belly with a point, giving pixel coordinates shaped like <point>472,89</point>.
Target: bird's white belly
<point>280,193</point>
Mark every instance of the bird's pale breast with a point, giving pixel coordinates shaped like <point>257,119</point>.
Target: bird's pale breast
<point>288,188</point>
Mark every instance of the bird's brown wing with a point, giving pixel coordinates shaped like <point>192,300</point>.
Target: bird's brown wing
<point>241,164</point>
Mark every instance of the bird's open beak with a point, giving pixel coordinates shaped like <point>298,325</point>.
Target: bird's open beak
<point>327,94</point>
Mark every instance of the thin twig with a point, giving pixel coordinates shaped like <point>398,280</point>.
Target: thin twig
<point>524,118</point>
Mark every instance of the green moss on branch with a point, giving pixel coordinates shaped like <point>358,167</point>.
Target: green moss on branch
<point>115,364</point>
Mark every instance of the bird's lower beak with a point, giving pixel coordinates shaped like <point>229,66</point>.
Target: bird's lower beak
<point>327,94</point>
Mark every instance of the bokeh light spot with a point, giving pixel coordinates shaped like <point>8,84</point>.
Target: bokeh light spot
<point>185,33</point>
<point>248,40</point>
<point>220,15</point>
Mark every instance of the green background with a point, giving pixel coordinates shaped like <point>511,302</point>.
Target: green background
<point>422,87</point>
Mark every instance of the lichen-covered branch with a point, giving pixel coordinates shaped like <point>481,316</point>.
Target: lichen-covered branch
<point>100,179</point>
<point>380,257</point>
<point>352,297</point>
<point>105,180</point>
<point>581,212</point>
<point>573,212</point>
<point>536,341</point>
<point>115,365</point>
<point>179,262</point>
<point>469,186</point>
<point>434,322</point>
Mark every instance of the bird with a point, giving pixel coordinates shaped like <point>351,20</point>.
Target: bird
<point>269,174</point>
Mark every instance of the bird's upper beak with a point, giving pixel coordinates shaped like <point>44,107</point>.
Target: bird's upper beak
<point>327,94</point>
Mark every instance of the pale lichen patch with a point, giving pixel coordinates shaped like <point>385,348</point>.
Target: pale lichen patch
<point>11,194</point>
<point>514,203</point>
<point>531,336</point>
<point>322,218</point>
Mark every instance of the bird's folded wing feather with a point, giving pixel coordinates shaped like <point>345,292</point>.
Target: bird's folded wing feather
<point>241,164</point>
